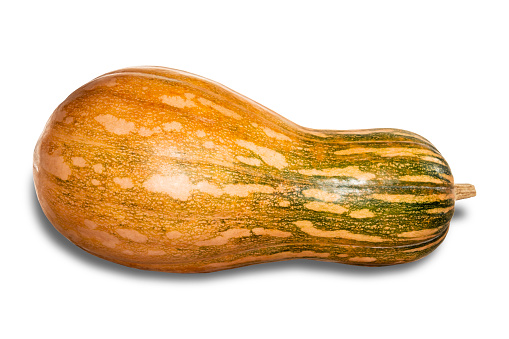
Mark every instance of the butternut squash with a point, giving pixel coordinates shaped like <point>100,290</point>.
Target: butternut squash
<point>160,169</point>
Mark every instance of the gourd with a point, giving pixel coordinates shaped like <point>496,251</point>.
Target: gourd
<point>160,169</point>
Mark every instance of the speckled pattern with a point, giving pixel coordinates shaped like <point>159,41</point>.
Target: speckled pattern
<point>160,169</point>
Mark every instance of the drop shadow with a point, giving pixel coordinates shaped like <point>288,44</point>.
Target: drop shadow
<point>84,258</point>
<point>460,213</point>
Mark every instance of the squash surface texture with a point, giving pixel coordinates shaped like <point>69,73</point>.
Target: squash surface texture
<point>160,169</point>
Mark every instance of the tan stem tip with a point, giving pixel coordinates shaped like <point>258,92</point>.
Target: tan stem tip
<point>464,191</point>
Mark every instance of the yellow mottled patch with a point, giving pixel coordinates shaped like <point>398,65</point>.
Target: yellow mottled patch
<point>242,190</point>
<point>364,213</point>
<point>123,182</point>
<point>317,133</point>
<point>365,131</point>
<point>410,134</point>
<point>270,157</point>
<point>109,82</point>
<point>321,195</point>
<point>225,236</point>
<point>275,135</point>
<point>156,252</point>
<point>308,227</point>
<point>74,236</point>
<point>115,125</point>
<point>207,187</point>
<point>173,234</point>
<point>439,210</point>
<point>146,132</point>
<point>180,187</point>
<point>98,168</point>
<point>325,207</point>
<point>90,224</point>
<point>55,165</point>
<point>95,182</point>
<point>177,101</point>
<point>59,115</point>
<point>390,152</point>
<point>350,171</point>
<point>68,120</point>
<point>421,178</point>
<point>132,235</point>
<point>104,238</point>
<point>420,234</point>
<point>272,257</point>
<point>249,161</point>
<point>272,233</point>
<point>432,159</point>
<point>172,126</point>
<point>208,144</point>
<point>362,259</point>
<point>385,151</point>
<point>220,109</point>
<point>410,198</point>
<point>200,134</point>
<point>284,203</point>
<point>78,161</point>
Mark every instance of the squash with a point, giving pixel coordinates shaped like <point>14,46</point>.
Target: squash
<point>163,170</point>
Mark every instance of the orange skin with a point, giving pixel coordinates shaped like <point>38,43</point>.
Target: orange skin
<point>160,169</point>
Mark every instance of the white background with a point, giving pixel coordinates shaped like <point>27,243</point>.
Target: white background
<point>438,68</point>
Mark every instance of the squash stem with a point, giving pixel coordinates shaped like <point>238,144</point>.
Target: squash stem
<point>464,191</point>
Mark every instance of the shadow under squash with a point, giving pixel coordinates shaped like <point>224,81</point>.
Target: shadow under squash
<point>460,213</point>
<point>85,258</point>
